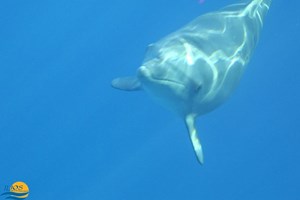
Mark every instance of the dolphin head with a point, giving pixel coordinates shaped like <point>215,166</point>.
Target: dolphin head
<point>168,74</point>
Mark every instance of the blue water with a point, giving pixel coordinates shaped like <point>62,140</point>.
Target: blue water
<point>67,134</point>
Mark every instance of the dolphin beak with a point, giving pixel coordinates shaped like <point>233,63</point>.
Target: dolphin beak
<point>143,72</point>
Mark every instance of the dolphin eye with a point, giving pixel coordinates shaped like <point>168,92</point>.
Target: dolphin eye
<point>198,88</point>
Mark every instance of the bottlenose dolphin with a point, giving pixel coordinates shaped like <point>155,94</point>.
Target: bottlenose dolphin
<point>193,70</point>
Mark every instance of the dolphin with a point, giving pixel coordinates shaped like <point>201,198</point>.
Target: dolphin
<point>196,68</point>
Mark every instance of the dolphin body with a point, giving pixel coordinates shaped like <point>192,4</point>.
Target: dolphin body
<point>195,69</point>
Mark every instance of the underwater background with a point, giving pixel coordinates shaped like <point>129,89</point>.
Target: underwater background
<point>68,135</point>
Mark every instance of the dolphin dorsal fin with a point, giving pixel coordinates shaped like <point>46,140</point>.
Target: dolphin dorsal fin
<point>129,83</point>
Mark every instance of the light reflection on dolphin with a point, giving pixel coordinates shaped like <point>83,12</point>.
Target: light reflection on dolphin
<point>194,70</point>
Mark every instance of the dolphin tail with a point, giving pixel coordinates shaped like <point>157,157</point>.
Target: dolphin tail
<point>259,8</point>
<point>190,124</point>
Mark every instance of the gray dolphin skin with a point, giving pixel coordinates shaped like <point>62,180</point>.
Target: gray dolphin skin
<point>195,69</point>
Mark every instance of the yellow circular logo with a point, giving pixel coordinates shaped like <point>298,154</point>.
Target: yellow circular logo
<point>19,190</point>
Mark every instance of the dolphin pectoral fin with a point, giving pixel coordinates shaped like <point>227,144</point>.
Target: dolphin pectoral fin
<point>190,124</point>
<point>126,83</point>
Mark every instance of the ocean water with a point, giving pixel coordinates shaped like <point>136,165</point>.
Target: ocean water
<point>68,135</point>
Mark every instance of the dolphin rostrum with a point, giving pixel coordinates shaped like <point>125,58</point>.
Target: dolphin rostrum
<point>194,70</point>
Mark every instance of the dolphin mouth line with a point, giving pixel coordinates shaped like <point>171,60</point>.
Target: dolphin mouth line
<point>145,72</point>
<point>167,81</point>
